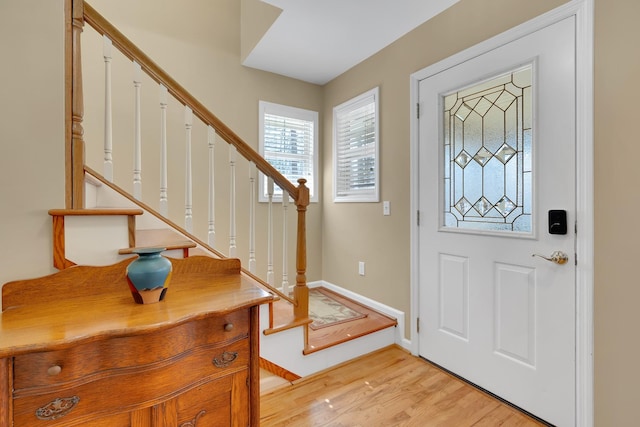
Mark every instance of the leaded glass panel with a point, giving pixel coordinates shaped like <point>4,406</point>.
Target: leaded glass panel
<point>487,154</point>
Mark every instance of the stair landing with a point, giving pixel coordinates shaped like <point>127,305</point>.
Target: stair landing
<point>329,336</point>
<point>332,335</point>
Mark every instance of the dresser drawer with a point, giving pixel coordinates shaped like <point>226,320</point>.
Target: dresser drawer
<point>95,360</point>
<point>127,389</point>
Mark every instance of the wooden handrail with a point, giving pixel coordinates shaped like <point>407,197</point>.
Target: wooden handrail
<point>131,51</point>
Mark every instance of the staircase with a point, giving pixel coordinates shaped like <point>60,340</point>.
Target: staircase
<point>101,234</point>
<point>103,223</point>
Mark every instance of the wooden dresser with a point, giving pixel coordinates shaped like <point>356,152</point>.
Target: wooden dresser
<point>75,350</point>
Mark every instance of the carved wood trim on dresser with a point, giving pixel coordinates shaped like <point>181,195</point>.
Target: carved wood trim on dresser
<point>75,350</point>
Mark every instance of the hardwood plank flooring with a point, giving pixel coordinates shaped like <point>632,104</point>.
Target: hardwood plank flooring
<point>386,388</point>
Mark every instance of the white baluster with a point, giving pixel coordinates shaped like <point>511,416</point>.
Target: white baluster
<point>285,263</point>
<point>188,213</point>
<point>108,122</point>
<point>137,143</point>
<point>232,201</point>
<point>270,233</point>
<point>252,217</point>
<point>164,201</point>
<point>211,137</point>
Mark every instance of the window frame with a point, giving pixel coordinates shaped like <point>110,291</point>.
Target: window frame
<point>356,196</point>
<point>264,108</point>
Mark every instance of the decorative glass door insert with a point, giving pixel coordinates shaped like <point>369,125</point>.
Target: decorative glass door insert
<point>488,154</point>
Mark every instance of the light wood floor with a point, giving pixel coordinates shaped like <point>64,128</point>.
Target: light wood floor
<point>384,389</point>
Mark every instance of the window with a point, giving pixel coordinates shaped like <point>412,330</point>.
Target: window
<point>487,154</point>
<point>355,149</point>
<point>289,141</point>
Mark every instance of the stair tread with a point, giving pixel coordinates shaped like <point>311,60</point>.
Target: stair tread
<point>335,334</point>
<point>201,252</point>
<point>342,332</point>
<point>95,211</point>
<point>159,238</point>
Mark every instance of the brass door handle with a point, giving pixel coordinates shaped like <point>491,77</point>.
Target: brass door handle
<point>558,257</point>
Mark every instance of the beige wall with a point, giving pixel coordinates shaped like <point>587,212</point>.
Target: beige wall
<point>32,153</point>
<point>617,342</point>
<point>256,17</point>
<point>31,133</point>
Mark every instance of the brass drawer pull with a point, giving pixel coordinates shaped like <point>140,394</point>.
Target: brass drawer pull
<point>54,370</point>
<point>225,359</point>
<point>57,408</point>
<point>228,327</point>
<point>193,422</point>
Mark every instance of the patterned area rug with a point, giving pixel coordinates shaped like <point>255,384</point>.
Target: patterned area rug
<point>326,311</point>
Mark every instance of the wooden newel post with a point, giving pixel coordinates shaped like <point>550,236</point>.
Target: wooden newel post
<point>77,108</point>
<point>301,292</point>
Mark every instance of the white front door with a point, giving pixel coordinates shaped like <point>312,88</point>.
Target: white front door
<point>496,155</point>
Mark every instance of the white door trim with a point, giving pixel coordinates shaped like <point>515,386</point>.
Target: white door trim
<point>583,11</point>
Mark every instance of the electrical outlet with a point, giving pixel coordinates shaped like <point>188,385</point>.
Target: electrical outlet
<point>361,268</point>
<point>386,208</point>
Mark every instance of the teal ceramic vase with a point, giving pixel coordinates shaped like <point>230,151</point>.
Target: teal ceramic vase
<point>149,275</point>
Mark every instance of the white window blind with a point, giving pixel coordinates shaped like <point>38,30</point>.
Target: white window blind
<point>288,141</point>
<point>355,124</point>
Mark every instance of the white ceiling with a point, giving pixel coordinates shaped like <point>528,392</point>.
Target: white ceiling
<point>317,40</point>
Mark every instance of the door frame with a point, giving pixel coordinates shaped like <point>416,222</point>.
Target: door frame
<point>583,11</point>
